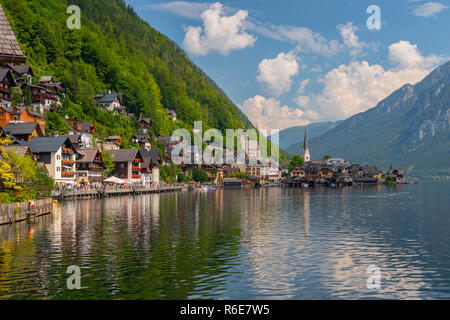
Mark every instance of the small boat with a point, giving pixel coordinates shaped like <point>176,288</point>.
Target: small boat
<point>305,185</point>
<point>333,185</point>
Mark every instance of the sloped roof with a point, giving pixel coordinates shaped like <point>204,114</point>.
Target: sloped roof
<point>3,73</point>
<point>20,110</point>
<point>109,97</point>
<point>88,154</point>
<point>85,126</point>
<point>124,155</point>
<point>20,150</point>
<point>46,144</point>
<point>150,156</point>
<point>8,42</point>
<point>20,128</point>
<point>46,79</point>
<point>21,68</point>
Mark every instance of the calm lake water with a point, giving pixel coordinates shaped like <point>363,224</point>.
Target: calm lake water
<point>231,244</point>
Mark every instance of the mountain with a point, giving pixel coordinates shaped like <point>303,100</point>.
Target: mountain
<point>115,49</point>
<point>410,129</point>
<point>292,138</point>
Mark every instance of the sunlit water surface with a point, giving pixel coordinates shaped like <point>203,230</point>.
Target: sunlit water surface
<point>231,244</point>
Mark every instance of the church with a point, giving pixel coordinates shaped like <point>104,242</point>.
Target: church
<point>305,152</point>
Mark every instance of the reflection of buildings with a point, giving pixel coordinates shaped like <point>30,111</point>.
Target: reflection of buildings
<point>306,212</point>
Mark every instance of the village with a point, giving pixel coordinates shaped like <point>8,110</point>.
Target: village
<point>77,160</point>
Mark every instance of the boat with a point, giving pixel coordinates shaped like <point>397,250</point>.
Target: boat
<point>305,185</point>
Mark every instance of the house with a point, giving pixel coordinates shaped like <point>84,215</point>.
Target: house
<point>371,172</point>
<point>10,51</point>
<point>112,101</point>
<point>24,130</point>
<point>43,98</point>
<point>79,127</point>
<point>298,172</point>
<point>117,140</point>
<point>150,165</point>
<point>168,142</point>
<point>19,150</point>
<point>172,114</point>
<point>337,162</point>
<point>128,164</point>
<point>259,171</point>
<point>76,140</point>
<point>57,154</point>
<point>143,140</point>
<point>20,114</point>
<point>274,174</point>
<point>146,123</point>
<point>397,175</point>
<point>6,83</point>
<point>90,166</point>
<point>325,172</point>
<point>22,73</point>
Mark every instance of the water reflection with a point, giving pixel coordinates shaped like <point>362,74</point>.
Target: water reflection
<point>253,244</point>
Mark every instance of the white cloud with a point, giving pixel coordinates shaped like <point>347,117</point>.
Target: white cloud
<point>308,41</point>
<point>268,113</point>
<point>303,85</point>
<point>276,74</point>
<point>429,9</point>
<point>358,86</point>
<point>407,55</point>
<point>219,32</point>
<point>350,39</point>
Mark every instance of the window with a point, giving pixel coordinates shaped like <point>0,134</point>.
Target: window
<point>58,157</point>
<point>58,169</point>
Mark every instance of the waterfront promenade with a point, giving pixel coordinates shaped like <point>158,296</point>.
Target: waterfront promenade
<point>113,192</point>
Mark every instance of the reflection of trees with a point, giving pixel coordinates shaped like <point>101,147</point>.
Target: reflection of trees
<point>153,246</point>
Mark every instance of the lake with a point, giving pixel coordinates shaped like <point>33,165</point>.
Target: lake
<point>269,243</point>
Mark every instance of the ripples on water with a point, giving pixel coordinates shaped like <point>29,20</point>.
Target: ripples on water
<point>231,244</point>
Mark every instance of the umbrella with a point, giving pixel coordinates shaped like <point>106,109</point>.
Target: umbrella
<point>115,180</point>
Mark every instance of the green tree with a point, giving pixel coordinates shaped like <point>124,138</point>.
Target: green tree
<point>55,123</point>
<point>110,165</point>
<point>199,175</point>
<point>16,96</point>
<point>296,161</point>
<point>326,157</point>
<point>239,175</point>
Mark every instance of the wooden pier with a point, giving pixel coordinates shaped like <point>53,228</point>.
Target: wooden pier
<point>107,193</point>
<point>15,212</point>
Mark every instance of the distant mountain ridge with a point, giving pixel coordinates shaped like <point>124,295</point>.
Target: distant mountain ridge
<point>410,129</point>
<point>292,138</point>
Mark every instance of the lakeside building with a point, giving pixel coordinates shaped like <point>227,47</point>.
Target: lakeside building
<point>150,166</point>
<point>128,164</point>
<point>57,154</point>
<point>90,166</point>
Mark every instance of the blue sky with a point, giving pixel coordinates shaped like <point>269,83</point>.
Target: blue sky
<point>287,63</point>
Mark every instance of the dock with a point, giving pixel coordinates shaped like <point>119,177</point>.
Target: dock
<point>107,193</point>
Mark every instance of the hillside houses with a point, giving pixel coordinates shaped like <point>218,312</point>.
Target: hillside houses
<point>24,130</point>
<point>57,154</point>
<point>112,101</point>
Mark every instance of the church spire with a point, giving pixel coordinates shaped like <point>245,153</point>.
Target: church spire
<point>305,152</point>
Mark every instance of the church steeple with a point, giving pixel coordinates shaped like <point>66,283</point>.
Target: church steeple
<point>305,152</point>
